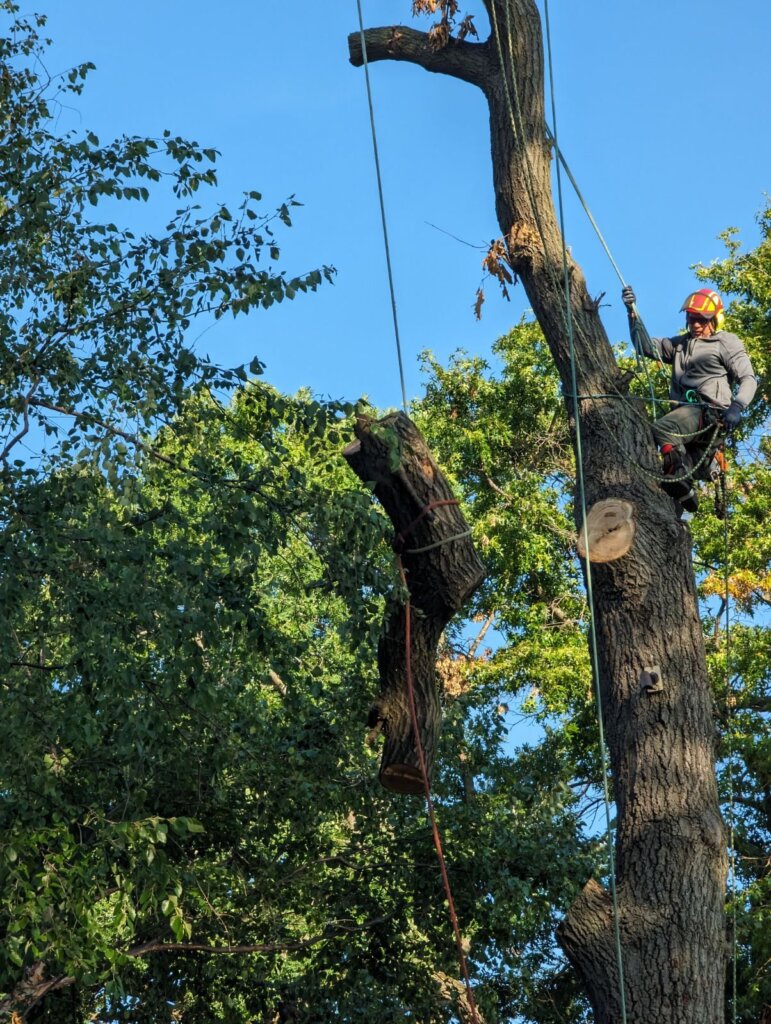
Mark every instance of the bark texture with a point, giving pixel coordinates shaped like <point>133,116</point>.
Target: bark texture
<point>671,860</point>
<point>441,571</point>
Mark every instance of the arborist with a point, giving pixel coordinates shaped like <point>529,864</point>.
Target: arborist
<point>712,383</point>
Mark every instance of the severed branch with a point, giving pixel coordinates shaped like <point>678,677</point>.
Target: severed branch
<point>441,570</point>
<point>467,61</point>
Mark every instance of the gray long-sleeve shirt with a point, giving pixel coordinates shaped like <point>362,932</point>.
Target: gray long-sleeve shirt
<point>712,366</point>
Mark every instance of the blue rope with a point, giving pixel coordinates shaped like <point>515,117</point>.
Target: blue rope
<point>641,364</point>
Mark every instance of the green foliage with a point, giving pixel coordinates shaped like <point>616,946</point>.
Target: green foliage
<point>188,669</point>
<point>739,637</point>
<point>190,826</point>
<point>93,317</point>
<point>192,601</point>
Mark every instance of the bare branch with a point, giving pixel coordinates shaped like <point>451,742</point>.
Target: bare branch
<point>331,932</point>
<point>32,989</point>
<point>467,61</point>
<point>481,635</point>
<point>278,683</point>
<point>27,401</point>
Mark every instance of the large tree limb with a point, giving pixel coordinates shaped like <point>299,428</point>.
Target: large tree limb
<point>586,935</point>
<point>441,571</point>
<point>467,61</point>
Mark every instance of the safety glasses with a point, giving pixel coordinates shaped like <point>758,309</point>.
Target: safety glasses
<point>694,318</point>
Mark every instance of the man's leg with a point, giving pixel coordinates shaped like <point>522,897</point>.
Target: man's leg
<point>678,427</point>
<point>672,433</point>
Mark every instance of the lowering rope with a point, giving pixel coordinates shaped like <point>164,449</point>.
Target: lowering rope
<point>399,542</point>
<point>588,563</point>
<point>474,1015</point>
<point>382,206</point>
<point>432,816</point>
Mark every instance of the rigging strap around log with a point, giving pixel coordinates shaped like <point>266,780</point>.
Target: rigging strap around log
<point>398,543</point>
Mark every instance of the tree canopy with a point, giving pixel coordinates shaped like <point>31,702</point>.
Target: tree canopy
<point>193,587</point>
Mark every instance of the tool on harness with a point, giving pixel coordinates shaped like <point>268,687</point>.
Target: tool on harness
<point>718,467</point>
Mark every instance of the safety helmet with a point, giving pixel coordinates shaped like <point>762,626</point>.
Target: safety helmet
<point>705,303</point>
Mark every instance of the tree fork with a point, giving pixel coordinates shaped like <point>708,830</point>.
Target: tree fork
<point>671,861</point>
<point>441,570</point>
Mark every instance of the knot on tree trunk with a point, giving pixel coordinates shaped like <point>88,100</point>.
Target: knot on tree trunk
<point>441,570</point>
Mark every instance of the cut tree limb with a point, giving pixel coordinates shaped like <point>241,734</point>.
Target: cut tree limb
<point>609,530</point>
<point>441,570</point>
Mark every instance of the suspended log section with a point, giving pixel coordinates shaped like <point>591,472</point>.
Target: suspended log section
<point>441,570</point>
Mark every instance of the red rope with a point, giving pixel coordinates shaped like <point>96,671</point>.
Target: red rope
<point>427,785</point>
<point>401,537</point>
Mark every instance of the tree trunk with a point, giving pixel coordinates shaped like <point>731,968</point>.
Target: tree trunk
<point>670,844</point>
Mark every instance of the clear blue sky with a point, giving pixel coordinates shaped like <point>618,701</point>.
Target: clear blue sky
<point>663,116</point>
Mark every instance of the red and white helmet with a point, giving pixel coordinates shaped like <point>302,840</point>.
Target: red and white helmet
<point>707,304</point>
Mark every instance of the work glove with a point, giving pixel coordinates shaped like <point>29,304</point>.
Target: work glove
<point>732,415</point>
<point>628,297</point>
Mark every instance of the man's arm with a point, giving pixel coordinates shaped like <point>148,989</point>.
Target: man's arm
<point>740,371</point>
<point>651,348</point>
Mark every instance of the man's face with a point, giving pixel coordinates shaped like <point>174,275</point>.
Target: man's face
<point>699,326</point>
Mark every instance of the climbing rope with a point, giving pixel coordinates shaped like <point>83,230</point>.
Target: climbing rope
<point>641,364</point>
<point>588,564</point>
<point>517,120</point>
<point>382,206</point>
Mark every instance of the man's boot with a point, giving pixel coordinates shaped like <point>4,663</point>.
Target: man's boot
<point>677,481</point>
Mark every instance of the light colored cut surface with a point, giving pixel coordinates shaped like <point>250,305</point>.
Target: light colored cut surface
<point>610,528</point>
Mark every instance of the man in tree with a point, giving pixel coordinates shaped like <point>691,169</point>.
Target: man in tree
<point>706,362</point>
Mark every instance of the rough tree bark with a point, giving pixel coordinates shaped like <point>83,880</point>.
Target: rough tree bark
<point>670,844</point>
<point>441,571</point>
